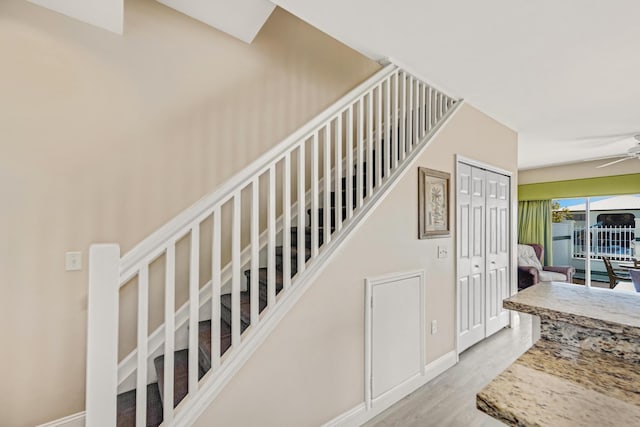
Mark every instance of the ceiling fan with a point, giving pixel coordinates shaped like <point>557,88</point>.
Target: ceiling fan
<point>631,153</point>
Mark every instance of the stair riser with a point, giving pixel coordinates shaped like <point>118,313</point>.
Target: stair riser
<point>294,237</point>
<point>203,360</point>
<point>354,197</point>
<point>332,216</point>
<point>181,369</point>
<point>294,264</point>
<point>245,318</point>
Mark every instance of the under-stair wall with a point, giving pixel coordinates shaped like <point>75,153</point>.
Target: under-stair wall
<point>311,369</point>
<point>107,137</point>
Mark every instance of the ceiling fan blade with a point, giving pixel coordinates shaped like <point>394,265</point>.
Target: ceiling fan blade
<point>614,162</point>
<point>607,137</point>
<point>614,156</point>
<point>595,142</point>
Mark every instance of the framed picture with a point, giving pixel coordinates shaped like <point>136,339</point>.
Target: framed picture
<point>433,203</point>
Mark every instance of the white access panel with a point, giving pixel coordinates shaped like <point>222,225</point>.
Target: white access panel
<point>397,337</point>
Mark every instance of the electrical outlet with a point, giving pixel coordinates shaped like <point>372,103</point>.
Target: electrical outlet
<point>434,327</point>
<point>73,261</point>
<point>442,252</point>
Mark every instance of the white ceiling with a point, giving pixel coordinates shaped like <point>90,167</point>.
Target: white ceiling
<point>241,19</point>
<point>106,14</point>
<point>555,71</point>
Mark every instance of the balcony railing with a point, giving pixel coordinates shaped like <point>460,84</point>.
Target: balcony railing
<point>610,241</point>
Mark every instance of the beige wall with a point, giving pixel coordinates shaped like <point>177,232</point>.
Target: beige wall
<point>311,368</point>
<point>105,138</point>
<point>578,170</point>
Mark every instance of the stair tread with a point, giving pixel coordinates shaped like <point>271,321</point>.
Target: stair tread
<point>126,407</point>
<point>294,250</point>
<point>204,341</point>
<point>333,208</point>
<point>263,275</point>
<point>180,375</point>
<point>245,307</point>
<point>307,229</point>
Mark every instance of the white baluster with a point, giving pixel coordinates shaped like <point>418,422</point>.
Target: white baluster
<point>387,128</point>
<point>410,116</point>
<point>416,113</point>
<point>254,285</point>
<point>169,331</point>
<point>610,240</point>
<point>236,223</point>
<point>349,180</point>
<point>327,184</point>
<point>395,122</point>
<point>301,208</point>
<point>143,327</point>
<point>360,167</point>
<point>379,136</point>
<point>423,110</point>
<point>194,307</point>
<point>370,143</point>
<point>216,285</point>
<point>286,225</point>
<point>434,109</point>
<point>429,108</point>
<point>314,196</point>
<point>338,173</point>
<point>403,116</point>
<point>102,335</point>
<point>271,244</point>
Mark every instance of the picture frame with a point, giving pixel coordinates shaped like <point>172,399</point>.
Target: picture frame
<point>433,203</point>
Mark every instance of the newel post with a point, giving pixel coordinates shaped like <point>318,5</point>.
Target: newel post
<point>102,335</point>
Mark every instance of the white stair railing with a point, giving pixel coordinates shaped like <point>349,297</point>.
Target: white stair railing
<point>339,164</point>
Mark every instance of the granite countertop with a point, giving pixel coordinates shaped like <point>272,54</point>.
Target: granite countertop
<point>556,385</point>
<point>617,312</point>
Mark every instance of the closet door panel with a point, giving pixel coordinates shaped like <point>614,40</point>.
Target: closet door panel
<point>470,226</point>
<point>497,259</point>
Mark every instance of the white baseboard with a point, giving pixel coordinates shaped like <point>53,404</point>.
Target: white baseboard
<point>75,420</point>
<point>359,414</point>
<point>348,418</point>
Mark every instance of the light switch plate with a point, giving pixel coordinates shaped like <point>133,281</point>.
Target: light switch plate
<point>442,252</point>
<point>434,327</point>
<point>73,261</point>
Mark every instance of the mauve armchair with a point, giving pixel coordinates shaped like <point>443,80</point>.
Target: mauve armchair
<point>531,271</point>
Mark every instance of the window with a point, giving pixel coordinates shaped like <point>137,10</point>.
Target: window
<point>616,219</point>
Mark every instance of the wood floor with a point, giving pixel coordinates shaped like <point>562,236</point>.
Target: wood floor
<point>450,399</point>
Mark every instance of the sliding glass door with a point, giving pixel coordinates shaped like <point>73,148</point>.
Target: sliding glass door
<point>588,231</point>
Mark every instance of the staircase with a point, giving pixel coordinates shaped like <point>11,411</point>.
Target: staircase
<point>127,401</point>
<point>336,168</point>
